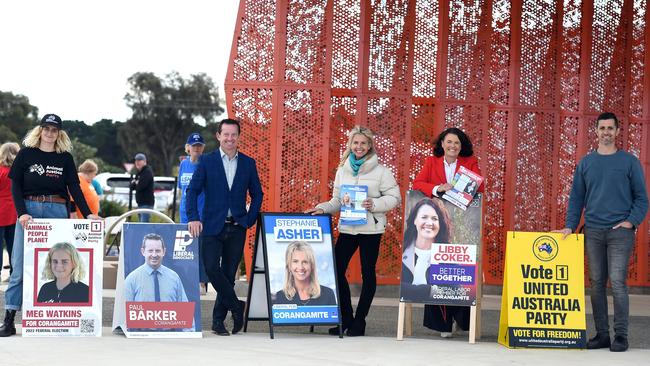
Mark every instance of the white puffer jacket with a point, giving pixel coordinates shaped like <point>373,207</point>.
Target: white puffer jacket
<point>382,188</point>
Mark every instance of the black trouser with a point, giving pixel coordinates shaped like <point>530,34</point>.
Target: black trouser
<point>346,245</point>
<point>221,255</point>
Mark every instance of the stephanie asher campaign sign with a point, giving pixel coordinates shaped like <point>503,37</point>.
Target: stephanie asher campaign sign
<point>157,293</point>
<point>302,279</point>
<point>62,278</point>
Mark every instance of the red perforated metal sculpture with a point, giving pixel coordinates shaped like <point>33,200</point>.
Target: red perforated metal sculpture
<point>524,78</point>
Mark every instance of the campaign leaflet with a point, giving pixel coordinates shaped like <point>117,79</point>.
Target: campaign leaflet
<point>452,274</point>
<point>301,272</point>
<point>464,187</point>
<point>352,210</point>
<point>62,278</point>
<point>160,293</point>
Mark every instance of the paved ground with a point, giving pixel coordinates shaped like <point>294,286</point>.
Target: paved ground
<point>295,346</point>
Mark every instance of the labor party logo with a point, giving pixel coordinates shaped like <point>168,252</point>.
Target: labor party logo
<point>545,248</point>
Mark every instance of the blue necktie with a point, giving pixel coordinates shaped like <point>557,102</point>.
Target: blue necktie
<point>156,285</point>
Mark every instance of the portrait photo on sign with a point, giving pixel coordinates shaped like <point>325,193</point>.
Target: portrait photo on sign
<point>439,251</point>
<point>301,273</point>
<point>62,275</point>
<point>160,273</point>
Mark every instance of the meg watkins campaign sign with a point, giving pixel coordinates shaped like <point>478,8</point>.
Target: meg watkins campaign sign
<point>62,278</point>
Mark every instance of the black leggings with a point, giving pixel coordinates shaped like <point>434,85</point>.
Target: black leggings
<point>346,245</point>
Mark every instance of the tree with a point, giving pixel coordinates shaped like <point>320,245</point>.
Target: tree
<point>81,152</point>
<point>164,114</point>
<point>17,116</point>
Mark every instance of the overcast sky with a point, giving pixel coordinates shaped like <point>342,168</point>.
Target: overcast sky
<point>73,57</point>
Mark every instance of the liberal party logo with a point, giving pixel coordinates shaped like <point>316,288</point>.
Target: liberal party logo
<point>545,248</point>
<point>183,240</point>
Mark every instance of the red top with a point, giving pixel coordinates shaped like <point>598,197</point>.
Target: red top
<point>7,208</point>
<point>433,173</point>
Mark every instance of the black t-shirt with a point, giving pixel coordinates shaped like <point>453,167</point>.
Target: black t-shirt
<point>36,172</point>
<point>73,292</point>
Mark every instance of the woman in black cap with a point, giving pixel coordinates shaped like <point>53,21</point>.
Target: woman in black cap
<point>42,175</point>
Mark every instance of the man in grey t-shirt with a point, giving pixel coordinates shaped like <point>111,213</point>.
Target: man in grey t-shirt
<point>609,185</point>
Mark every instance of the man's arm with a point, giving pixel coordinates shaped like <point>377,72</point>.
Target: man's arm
<point>180,290</point>
<point>191,199</point>
<point>129,288</point>
<point>576,200</point>
<point>256,193</point>
<point>576,203</point>
<point>639,195</point>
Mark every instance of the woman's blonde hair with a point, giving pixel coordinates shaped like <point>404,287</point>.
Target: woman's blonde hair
<point>359,130</point>
<point>62,144</point>
<point>88,167</point>
<point>78,273</point>
<point>8,152</point>
<point>289,287</point>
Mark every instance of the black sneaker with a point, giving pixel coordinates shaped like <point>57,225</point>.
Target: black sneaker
<point>220,329</point>
<point>599,341</point>
<point>619,345</point>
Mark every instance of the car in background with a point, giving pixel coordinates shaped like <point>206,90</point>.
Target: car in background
<point>116,188</point>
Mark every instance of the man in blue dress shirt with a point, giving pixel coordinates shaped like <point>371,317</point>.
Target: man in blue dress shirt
<point>152,281</point>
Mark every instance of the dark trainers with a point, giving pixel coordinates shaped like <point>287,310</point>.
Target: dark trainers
<point>599,341</point>
<point>220,329</point>
<point>619,345</point>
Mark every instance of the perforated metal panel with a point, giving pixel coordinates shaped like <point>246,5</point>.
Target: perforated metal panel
<point>524,78</point>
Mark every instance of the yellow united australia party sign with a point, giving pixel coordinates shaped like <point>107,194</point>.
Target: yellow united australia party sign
<point>543,302</point>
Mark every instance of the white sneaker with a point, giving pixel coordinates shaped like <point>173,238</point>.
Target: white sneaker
<point>446,334</point>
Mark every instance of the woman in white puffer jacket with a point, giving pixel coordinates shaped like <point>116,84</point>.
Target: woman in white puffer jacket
<point>360,166</point>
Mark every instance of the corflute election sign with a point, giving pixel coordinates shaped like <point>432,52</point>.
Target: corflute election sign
<point>543,302</point>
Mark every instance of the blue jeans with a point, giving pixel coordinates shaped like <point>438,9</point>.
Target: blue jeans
<point>144,217</point>
<point>222,254</point>
<point>38,210</point>
<point>609,253</point>
<point>7,234</point>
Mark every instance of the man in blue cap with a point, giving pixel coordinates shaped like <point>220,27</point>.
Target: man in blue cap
<point>194,147</point>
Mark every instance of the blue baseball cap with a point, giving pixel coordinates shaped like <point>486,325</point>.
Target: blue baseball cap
<point>195,138</point>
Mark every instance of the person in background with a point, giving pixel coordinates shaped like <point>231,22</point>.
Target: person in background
<point>8,152</point>
<point>194,147</point>
<point>451,150</point>
<point>143,186</point>
<point>87,172</point>
<point>41,177</point>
